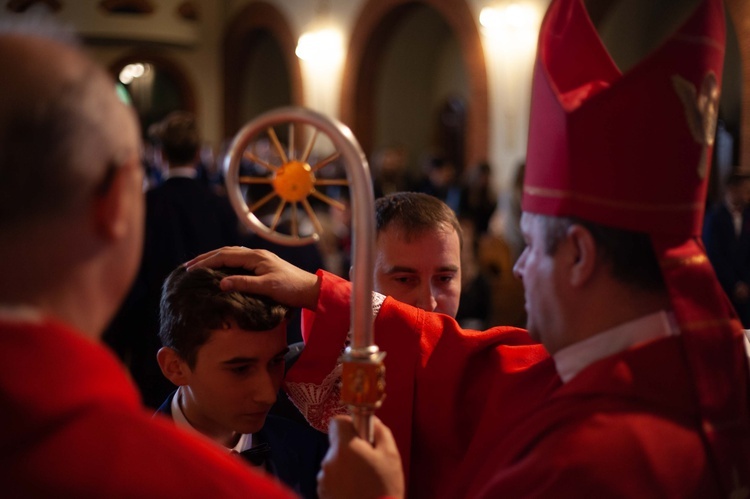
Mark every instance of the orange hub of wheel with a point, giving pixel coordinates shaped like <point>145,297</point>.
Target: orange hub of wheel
<point>294,181</point>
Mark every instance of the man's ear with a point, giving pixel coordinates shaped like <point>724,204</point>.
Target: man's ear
<point>172,366</point>
<point>583,254</point>
<point>115,200</point>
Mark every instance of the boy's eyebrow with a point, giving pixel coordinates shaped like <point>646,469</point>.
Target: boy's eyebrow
<point>251,360</point>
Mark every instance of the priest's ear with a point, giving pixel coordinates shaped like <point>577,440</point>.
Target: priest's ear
<point>583,255</point>
<point>173,366</point>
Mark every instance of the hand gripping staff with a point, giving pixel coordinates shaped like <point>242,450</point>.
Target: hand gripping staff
<point>274,169</point>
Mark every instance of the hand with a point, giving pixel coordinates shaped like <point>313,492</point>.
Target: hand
<point>276,278</point>
<point>353,468</point>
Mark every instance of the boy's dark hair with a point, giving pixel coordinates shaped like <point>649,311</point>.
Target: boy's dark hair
<point>630,253</point>
<point>193,304</point>
<point>415,213</point>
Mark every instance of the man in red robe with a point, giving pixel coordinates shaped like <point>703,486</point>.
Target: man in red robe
<point>654,395</point>
<point>71,223</point>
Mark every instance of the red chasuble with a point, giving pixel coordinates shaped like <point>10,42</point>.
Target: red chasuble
<point>450,392</point>
<point>626,426</point>
<point>73,426</point>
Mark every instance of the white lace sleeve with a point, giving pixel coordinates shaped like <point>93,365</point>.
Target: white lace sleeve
<point>318,403</point>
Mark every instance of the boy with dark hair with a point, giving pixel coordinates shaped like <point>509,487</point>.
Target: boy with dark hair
<point>225,352</point>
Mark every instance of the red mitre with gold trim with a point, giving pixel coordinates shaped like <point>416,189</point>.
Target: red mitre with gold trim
<point>633,151</point>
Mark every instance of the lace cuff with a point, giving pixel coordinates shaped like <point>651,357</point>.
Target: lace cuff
<point>318,403</point>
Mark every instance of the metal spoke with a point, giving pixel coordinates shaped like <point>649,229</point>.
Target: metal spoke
<point>262,201</point>
<point>309,146</point>
<point>255,180</point>
<point>277,215</point>
<point>313,217</point>
<point>255,159</point>
<point>324,162</point>
<point>332,181</point>
<point>295,228</point>
<point>277,144</point>
<point>291,141</point>
<point>329,200</point>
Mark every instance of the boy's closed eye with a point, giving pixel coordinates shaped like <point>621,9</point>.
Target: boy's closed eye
<point>241,369</point>
<point>243,366</point>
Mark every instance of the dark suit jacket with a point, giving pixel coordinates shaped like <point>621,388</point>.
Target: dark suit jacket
<point>296,450</point>
<point>729,254</point>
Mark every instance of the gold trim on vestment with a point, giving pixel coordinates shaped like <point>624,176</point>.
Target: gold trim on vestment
<point>698,325</point>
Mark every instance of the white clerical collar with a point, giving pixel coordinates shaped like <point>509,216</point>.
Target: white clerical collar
<point>572,359</point>
<point>182,171</point>
<point>20,313</point>
<point>243,444</point>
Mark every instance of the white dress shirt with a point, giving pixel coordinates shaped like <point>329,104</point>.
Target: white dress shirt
<point>574,358</point>
<point>243,444</point>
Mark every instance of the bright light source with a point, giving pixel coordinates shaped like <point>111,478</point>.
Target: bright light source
<point>133,71</point>
<point>490,17</point>
<point>324,46</point>
<point>511,17</point>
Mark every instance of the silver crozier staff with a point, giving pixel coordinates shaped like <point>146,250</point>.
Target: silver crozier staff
<point>293,181</point>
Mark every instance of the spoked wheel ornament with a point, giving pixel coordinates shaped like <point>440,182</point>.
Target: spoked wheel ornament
<point>279,166</point>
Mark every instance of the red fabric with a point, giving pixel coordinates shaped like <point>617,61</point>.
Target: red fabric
<point>626,426</point>
<point>632,151</point>
<point>73,427</point>
<point>714,346</point>
<point>449,392</point>
<point>620,149</point>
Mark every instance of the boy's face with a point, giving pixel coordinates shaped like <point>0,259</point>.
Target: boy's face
<point>235,379</point>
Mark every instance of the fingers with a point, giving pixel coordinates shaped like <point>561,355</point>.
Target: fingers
<point>273,277</point>
<point>353,469</point>
<point>228,256</point>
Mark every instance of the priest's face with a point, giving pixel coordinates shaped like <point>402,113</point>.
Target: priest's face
<point>234,381</point>
<point>422,270</point>
<point>542,282</point>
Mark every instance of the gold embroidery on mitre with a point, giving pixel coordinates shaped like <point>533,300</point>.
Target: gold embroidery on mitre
<point>545,192</point>
<point>684,261</point>
<point>701,112</point>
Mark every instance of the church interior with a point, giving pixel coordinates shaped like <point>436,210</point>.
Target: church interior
<point>427,78</point>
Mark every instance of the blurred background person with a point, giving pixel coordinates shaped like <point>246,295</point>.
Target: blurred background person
<point>726,234</point>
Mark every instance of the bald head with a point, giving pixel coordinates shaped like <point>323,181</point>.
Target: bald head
<point>60,132</point>
<point>71,196</point>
